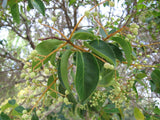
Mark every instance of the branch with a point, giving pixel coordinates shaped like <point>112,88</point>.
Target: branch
<point>69,22</point>
<point>52,38</point>
<point>9,56</point>
<point>28,38</point>
<point>14,29</point>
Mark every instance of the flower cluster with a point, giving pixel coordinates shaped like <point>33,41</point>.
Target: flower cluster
<point>25,115</point>
<point>98,99</point>
<point>108,66</point>
<point>121,91</point>
<point>134,30</point>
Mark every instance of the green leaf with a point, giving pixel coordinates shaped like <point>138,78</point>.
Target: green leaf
<point>138,114</point>
<point>19,109</point>
<point>45,47</point>
<point>156,110</point>
<point>50,80</point>
<point>102,32</point>
<point>112,31</point>
<point>117,52</point>
<point>3,116</point>
<point>114,110</point>
<point>102,49</point>
<point>71,2</point>
<point>11,2</point>
<point>87,75</point>
<point>84,35</point>
<point>135,89</point>
<point>53,58</point>
<point>38,4</point>
<point>110,108</point>
<point>34,116</point>
<point>153,85</point>
<point>125,46</point>
<point>12,102</point>
<point>59,73</point>
<point>107,77</point>
<point>64,68</point>
<point>70,96</point>
<point>155,75</point>
<point>30,4</point>
<point>140,75</point>
<point>106,4</point>
<point>8,105</point>
<point>15,113</point>
<point>15,13</point>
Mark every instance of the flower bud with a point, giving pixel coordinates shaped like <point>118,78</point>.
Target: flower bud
<point>87,13</point>
<point>108,66</point>
<point>111,4</point>
<point>54,18</point>
<point>40,20</point>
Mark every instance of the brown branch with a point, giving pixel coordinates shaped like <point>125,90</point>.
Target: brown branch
<point>28,33</point>
<point>52,38</point>
<point>68,20</point>
<point>9,56</point>
<point>114,33</point>
<point>75,16</point>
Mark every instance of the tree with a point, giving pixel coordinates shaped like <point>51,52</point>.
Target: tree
<point>104,68</point>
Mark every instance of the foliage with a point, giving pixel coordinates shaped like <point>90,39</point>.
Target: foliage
<point>81,73</point>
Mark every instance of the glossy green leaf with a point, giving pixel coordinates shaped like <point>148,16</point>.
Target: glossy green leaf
<point>50,80</point>
<point>64,68</point>
<point>107,76</point>
<point>135,89</point>
<point>112,31</point>
<point>59,73</point>
<point>110,108</point>
<point>12,102</point>
<point>102,32</point>
<point>3,116</point>
<point>87,75</point>
<point>34,116</point>
<point>140,75</point>
<point>19,109</point>
<point>12,2</point>
<point>38,4</point>
<point>155,75</point>
<point>138,114</point>
<point>156,110</point>
<point>70,96</point>
<point>15,113</point>
<point>102,49</point>
<point>114,110</point>
<point>71,2</point>
<point>30,4</point>
<point>47,46</point>
<point>153,85</point>
<point>117,52</point>
<point>53,58</point>
<point>15,13</point>
<point>125,46</point>
<point>44,48</point>
<point>84,35</point>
